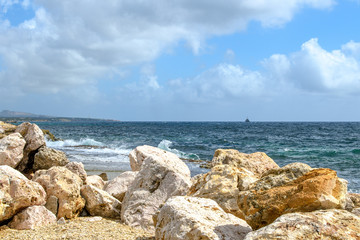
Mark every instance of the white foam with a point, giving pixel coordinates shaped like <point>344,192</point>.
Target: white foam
<point>74,143</point>
<point>166,144</point>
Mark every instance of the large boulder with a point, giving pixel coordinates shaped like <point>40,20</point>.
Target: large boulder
<point>34,138</point>
<point>318,189</point>
<point>100,203</point>
<point>140,153</point>
<point>96,181</point>
<point>160,177</point>
<point>78,169</point>
<point>119,185</point>
<point>11,149</point>
<point>17,192</point>
<point>32,217</point>
<point>258,162</point>
<point>222,185</point>
<point>197,218</point>
<point>47,157</point>
<point>65,185</point>
<point>323,224</point>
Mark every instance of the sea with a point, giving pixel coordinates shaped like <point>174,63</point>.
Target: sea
<point>104,146</point>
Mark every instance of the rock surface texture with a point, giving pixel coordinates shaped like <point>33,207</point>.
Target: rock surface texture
<point>119,185</point>
<point>323,224</point>
<point>47,157</point>
<point>17,192</point>
<point>318,189</point>
<point>161,176</point>
<point>194,218</point>
<point>96,181</point>
<point>222,185</point>
<point>100,203</point>
<point>11,149</point>
<point>65,185</point>
<point>78,169</point>
<point>32,217</point>
<point>258,162</point>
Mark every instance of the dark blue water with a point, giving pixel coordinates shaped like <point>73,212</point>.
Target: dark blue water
<point>105,145</point>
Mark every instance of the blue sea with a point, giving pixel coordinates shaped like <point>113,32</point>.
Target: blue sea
<point>104,146</point>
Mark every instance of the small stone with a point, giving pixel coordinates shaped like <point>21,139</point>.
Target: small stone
<point>61,221</point>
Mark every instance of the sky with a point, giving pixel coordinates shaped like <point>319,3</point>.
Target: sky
<point>182,60</point>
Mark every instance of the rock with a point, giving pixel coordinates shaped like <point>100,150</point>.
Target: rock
<point>140,153</point>
<point>61,221</point>
<point>323,224</point>
<point>258,162</point>
<point>34,138</point>
<point>355,198</point>
<point>65,185</point>
<point>119,185</point>
<point>318,189</point>
<point>95,181</point>
<point>47,157</point>
<point>78,169</point>
<point>11,149</point>
<point>32,217</point>
<point>356,211</point>
<point>279,176</point>
<point>197,218</point>
<point>17,193</point>
<point>100,203</point>
<point>7,128</point>
<point>52,204</point>
<point>222,185</point>
<point>161,176</point>
<point>49,136</point>
<point>104,176</point>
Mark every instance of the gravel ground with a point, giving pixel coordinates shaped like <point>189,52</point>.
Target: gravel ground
<point>79,228</point>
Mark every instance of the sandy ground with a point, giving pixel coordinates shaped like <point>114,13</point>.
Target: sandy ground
<point>79,228</point>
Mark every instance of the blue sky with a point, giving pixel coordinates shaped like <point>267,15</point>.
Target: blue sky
<point>182,60</point>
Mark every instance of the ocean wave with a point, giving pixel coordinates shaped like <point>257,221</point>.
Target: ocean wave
<point>166,145</point>
<point>73,143</point>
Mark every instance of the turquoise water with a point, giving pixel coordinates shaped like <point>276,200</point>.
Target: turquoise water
<point>104,146</point>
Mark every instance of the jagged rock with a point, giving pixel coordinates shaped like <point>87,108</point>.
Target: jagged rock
<point>11,149</point>
<point>100,203</point>
<point>323,224</point>
<point>34,138</point>
<point>119,185</point>
<point>222,185</point>
<point>17,192</point>
<point>52,204</point>
<point>96,181</point>
<point>104,176</point>
<point>279,176</point>
<point>355,198</point>
<point>47,157</point>
<point>356,211</point>
<point>6,128</point>
<point>49,136</point>
<point>258,163</point>
<point>161,176</point>
<point>318,189</point>
<point>78,169</point>
<point>32,217</point>
<point>197,218</point>
<point>65,185</point>
<point>140,153</point>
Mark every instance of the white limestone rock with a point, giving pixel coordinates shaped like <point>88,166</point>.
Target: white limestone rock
<point>119,185</point>
<point>11,150</point>
<point>32,217</point>
<point>96,181</point>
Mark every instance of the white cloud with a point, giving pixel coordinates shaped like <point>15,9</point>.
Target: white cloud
<point>317,70</point>
<point>72,43</point>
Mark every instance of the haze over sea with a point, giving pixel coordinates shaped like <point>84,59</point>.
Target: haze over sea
<point>104,146</point>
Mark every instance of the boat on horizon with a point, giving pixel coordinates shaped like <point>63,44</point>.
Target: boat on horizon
<point>247,120</point>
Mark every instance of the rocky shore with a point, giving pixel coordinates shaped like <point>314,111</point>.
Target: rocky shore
<point>243,196</point>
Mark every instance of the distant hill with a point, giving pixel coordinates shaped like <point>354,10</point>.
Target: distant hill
<point>12,114</point>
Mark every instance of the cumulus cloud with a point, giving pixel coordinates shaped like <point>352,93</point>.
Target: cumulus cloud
<point>76,43</point>
<point>318,70</point>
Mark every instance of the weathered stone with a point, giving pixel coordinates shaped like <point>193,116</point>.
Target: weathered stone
<point>160,177</point>
<point>140,153</point>
<point>17,192</point>
<point>96,181</point>
<point>34,138</point>
<point>197,218</point>
<point>104,176</point>
<point>355,198</point>
<point>356,211</point>
<point>258,163</point>
<point>32,217</point>
<point>47,157</point>
<point>279,176</point>
<point>78,169</point>
<point>100,203</point>
<point>318,189</point>
<point>7,128</point>
<point>11,149</point>
<point>323,224</point>
<point>119,185</point>
<point>65,185</point>
<point>52,204</point>
<point>222,185</point>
